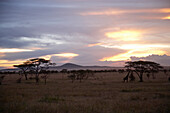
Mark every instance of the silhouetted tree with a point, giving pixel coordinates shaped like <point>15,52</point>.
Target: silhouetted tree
<point>37,65</point>
<point>80,75</point>
<point>63,71</point>
<point>72,77</point>
<point>125,79</point>
<point>148,75</point>
<point>45,75</point>
<point>140,67</point>
<point>1,79</point>
<point>165,71</point>
<point>24,68</point>
<point>132,78</point>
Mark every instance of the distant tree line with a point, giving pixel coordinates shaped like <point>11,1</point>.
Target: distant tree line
<point>37,68</point>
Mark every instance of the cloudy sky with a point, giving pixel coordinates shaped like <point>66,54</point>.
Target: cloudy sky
<point>85,32</point>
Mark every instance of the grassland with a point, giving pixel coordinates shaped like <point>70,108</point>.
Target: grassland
<point>106,93</point>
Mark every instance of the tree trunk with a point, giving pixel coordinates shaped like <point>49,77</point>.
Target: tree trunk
<point>37,75</point>
<point>37,78</point>
<point>45,80</point>
<point>125,79</point>
<point>141,77</point>
<point>26,76</point>
<point>153,75</point>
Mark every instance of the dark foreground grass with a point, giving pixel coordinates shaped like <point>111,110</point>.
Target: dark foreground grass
<point>104,95</point>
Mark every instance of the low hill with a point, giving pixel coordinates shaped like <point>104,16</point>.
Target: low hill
<point>71,66</point>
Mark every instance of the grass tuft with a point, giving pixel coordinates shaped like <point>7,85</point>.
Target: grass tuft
<point>49,99</point>
<point>131,90</point>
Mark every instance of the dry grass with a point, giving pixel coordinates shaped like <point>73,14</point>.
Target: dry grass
<point>106,93</point>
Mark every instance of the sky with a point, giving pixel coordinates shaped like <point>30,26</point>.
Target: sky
<point>85,32</point>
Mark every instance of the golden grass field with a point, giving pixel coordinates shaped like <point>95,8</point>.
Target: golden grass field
<point>104,93</point>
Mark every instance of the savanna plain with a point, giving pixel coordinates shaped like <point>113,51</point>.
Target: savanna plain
<point>103,93</point>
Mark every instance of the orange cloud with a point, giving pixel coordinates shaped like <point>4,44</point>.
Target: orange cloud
<point>119,11</point>
<point>124,35</point>
<point>108,12</point>
<point>137,53</point>
<point>2,54</point>
<point>165,18</point>
<point>66,55</point>
<point>91,45</point>
<point>165,10</point>
<point>9,64</point>
<point>138,46</point>
<point>37,48</point>
<point>137,50</point>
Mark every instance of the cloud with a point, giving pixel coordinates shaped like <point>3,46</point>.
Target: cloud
<point>9,64</point>
<point>124,35</point>
<point>123,11</point>
<point>13,50</point>
<point>96,44</point>
<point>164,60</point>
<point>166,18</point>
<point>141,50</point>
<point>92,55</point>
<point>60,55</point>
<point>109,29</point>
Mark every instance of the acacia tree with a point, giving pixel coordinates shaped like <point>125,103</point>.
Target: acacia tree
<point>35,65</point>
<point>24,68</point>
<point>38,64</point>
<point>141,67</point>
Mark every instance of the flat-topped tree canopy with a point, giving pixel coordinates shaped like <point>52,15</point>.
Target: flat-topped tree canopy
<point>24,67</point>
<point>21,65</point>
<point>38,61</point>
<point>141,67</point>
<point>34,64</point>
<point>25,64</point>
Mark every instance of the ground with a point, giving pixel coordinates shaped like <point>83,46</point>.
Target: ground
<point>104,93</point>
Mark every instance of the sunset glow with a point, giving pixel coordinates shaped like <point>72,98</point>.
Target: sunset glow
<point>109,12</point>
<point>124,35</point>
<point>138,53</point>
<point>137,46</point>
<point>9,64</point>
<point>91,45</point>
<point>65,55</point>
<point>168,17</point>
<point>165,10</point>
<point>137,50</point>
<point>120,11</point>
<point>84,32</point>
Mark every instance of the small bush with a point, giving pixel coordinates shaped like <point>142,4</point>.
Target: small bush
<point>49,99</point>
<point>160,95</point>
<point>135,98</point>
<point>131,90</point>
